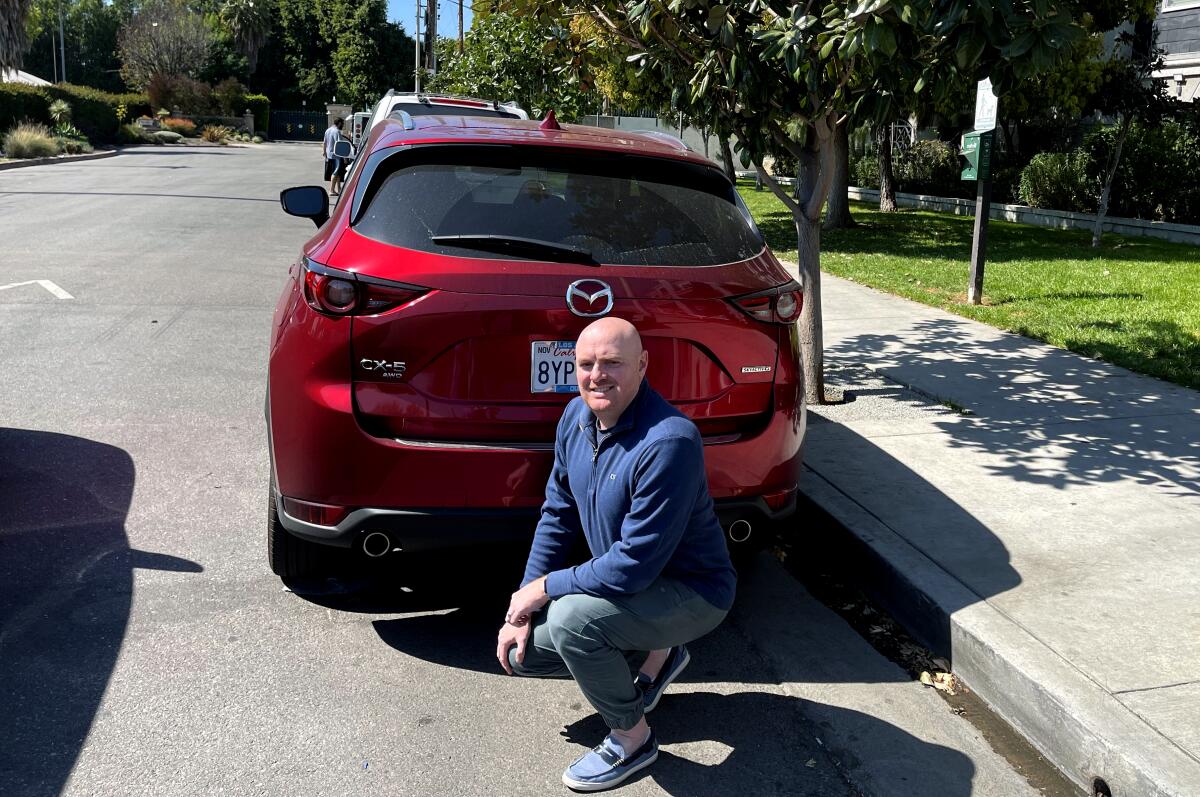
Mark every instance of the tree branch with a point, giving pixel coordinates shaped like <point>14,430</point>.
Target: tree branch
<point>777,189</point>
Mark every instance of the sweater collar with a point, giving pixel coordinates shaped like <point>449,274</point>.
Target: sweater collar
<point>628,418</point>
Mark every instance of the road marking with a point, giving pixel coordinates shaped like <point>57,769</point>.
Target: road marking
<point>47,284</point>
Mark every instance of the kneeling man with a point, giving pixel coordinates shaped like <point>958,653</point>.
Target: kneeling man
<point>629,477</point>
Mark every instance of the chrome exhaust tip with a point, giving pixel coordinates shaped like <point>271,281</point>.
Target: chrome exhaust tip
<point>740,531</point>
<point>376,544</point>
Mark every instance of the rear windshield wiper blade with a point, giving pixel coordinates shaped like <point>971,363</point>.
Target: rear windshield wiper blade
<point>515,245</point>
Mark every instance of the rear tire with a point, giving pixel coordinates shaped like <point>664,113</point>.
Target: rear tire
<point>288,555</point>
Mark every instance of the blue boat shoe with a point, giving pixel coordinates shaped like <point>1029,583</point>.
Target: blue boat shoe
<point>606,765</point>
<point>652,691</point>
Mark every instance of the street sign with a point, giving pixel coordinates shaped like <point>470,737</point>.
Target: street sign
<point>986,102</point>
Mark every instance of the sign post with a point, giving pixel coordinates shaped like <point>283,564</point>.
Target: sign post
<point>977,149</point>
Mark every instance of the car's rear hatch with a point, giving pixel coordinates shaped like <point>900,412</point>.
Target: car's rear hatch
<point>485,352</point>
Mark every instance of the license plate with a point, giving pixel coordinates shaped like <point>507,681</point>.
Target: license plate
<point>552,367</point>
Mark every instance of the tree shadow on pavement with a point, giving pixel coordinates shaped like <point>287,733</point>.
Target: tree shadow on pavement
<point>66,582</point>
<point>1028,400</point>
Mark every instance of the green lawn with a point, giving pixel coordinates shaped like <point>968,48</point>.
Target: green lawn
<point>1134,302</point>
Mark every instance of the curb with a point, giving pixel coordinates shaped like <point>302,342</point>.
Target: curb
<point>1078,726</point>
<point>67,159</point>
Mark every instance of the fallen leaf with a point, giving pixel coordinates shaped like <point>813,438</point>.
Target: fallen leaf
<point>812,762</point>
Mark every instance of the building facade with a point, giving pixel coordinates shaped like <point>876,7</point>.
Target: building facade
<point>1178,26</point>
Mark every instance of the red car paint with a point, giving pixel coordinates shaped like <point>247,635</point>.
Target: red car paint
<point>460,429</point>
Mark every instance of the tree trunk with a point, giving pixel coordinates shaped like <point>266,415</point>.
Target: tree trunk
<point>12,32</point>
<point>887,181</point>
<point>837,212</point>
<point>727,159</point>
<point>1114,160</point>
<point>808,256</point>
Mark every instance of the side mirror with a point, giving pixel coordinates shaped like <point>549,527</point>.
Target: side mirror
<point>342,149</point>
<point>307,201</point>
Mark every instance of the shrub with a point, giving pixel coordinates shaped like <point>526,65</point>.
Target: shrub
<point>256,140</point>
<point>216,133</point>
<point>230,97</point>
<point>168,137</point>
<point>94,111</point>
<point>60,112</point>
<point>193,96</point>
<point>184,127</point>
<point>1159,174</point>
<point>928,167</point>
<point>133,134</point>
<point>19,102</point>
<point>864,171</point>
<point>28,140</point>
<point>72,146</point>
<point>1058,180</point>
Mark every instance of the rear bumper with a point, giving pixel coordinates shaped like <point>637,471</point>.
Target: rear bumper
<point>413,530</point>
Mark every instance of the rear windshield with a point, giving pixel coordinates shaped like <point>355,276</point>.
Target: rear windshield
<point>421,109</point>
<point>622,210</point>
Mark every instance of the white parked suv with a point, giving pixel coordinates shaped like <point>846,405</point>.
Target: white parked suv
<point>429,104</point>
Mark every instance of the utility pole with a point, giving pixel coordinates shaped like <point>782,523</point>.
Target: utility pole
<point>431,25</point>
<point>62,45</point>
<point>417,65</point>
<point>460,26</point>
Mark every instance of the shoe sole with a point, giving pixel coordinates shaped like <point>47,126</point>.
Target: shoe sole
<point>687,659</point>
<point>578,785</point>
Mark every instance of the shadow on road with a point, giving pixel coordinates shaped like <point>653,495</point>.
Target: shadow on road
<point>156,196</point>
<point>66,582</point>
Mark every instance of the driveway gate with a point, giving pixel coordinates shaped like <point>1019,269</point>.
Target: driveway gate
<point>298,125</point>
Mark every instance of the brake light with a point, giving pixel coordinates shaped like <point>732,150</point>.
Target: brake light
<point>777,306</point>
<point>340,293</point>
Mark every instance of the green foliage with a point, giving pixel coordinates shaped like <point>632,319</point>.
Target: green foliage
<point>230,97</point>
<point>1134,302</point>
<point>132,134</point>
<point>90,27</point>
<point>60,112</point>
<point>72,146</point>
<point>28,140</point>
<point>167,136</point>
<point>928,167</point>
<point>163,37</point>
<point>505,58</point>
<point>1159,173</point>
<point>864,170</point>
<point>19,102</point>
<point>256,140</point>
<point>1059,180</point>
<point>93,112</point>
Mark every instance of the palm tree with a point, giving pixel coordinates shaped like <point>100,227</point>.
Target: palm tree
<point>250,23</point>
<point>12,32</point>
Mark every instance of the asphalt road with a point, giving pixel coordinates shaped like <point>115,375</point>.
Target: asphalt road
<point>145,647</point>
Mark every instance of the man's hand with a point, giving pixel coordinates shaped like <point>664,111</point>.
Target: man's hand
<point>512,635</point>
<point>527,600</point>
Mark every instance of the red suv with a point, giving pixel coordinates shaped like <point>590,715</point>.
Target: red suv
<point>423,349</point>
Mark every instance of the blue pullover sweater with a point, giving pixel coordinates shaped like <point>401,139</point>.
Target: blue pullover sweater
<point>639,495</point>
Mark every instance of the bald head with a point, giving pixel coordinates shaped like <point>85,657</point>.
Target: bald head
<point>609,365</point>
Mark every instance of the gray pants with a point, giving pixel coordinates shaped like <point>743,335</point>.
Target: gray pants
<point>602,642</point>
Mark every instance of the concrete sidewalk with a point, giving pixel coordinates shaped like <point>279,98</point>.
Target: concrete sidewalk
<point>1032,514</point>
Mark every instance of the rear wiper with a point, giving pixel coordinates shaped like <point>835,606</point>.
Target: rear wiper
<point>515,245</point>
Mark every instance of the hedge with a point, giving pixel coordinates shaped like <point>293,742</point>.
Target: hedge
<point>93,111</point>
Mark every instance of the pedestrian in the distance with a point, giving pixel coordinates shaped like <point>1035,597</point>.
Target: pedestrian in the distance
<point>629,478</point>
<point>332,136</point>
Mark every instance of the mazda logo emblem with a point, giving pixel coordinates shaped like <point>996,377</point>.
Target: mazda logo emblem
<point>583,296</point>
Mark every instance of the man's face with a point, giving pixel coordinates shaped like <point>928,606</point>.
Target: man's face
<point>609,366</point>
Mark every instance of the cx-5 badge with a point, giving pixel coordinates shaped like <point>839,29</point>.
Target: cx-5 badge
<point>393,369</point>
<point>582,302</point>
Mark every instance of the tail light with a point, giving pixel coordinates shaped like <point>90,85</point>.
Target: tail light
<point>335,292</point>
<point>780,305</point>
